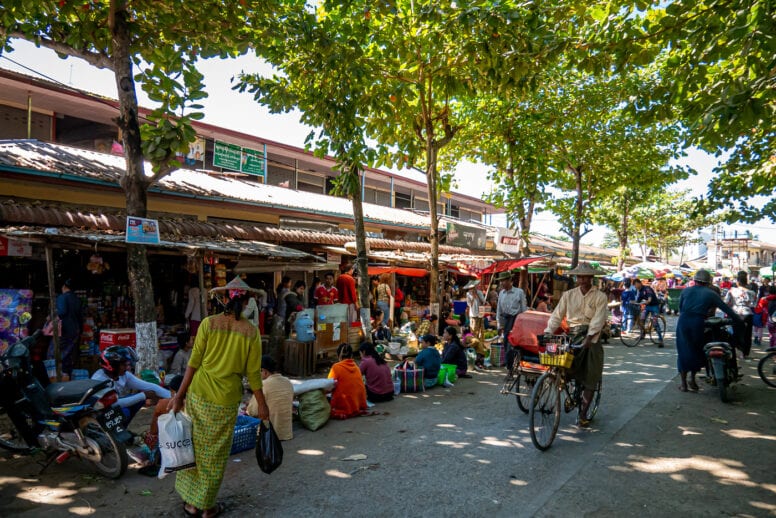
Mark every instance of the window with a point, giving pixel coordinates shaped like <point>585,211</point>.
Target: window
<point>402,201</point>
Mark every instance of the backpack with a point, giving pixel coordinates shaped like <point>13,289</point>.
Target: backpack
<point>772,311</point>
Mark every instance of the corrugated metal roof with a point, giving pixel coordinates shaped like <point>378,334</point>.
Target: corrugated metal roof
<point>52,215</point>
<point>58,159</point>
<point>267,251</point>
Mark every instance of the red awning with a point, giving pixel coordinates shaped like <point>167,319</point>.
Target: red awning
<point>510,264</point>
<point>407,272</point>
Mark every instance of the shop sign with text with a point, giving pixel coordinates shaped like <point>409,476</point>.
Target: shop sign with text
<point>508,240</point>
<point>142,231</point>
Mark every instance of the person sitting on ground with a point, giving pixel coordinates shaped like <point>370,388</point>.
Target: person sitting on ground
<point>475,343</point>
<point>349,396</point>
<point>379,384</point>
<point>279,395</point>
<point>115,364</point>
<point>380,331</point>
<point>429,360</point>
<point>181,359</point>
<point>454,352</point>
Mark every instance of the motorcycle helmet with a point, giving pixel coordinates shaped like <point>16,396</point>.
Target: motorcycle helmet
<point>113,357</point>
<point>702,276</point>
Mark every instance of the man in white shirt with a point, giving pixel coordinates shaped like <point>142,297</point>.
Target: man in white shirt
<point>511,302</point>
<point>474,298</point>
<point>585,310</point>
<point>133,392</point>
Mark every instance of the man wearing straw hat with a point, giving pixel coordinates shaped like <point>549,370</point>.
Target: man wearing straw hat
<point>511,302</point>
<point>584,308</point>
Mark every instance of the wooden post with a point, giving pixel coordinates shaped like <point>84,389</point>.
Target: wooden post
<point>201,281</point>
<point>53,308</point>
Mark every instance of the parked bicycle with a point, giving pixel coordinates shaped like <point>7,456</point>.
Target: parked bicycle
<point>653,326</point>
<point>767,367</point>
<point>554,387</point>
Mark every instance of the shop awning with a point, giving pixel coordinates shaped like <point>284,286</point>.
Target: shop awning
<point>247,248</point>
<point>510,264</point>
<point>407,272</point>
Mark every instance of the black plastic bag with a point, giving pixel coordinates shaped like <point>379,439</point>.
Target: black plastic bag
<point>269,450</point>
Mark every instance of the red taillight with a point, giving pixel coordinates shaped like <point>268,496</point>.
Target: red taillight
<point>716,353</point>
<point>107,400</point>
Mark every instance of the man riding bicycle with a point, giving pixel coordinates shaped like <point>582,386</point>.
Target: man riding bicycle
<point>585,310</point>
<point>647,296</point>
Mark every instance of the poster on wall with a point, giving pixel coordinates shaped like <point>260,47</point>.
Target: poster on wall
<point>236,158</point>
<point>142,231</point>
<point>14,248</point>
<point>467,236</point>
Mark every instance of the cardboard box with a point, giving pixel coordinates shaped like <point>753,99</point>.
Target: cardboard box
<point>109,337</point>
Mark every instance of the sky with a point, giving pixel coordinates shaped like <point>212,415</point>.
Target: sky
<point>227,108</point>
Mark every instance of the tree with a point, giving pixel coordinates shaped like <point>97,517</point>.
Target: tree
<point>505,131</point>
<point>716,69</point>
<point>305,50</point>
<point>162,41</point>
<point>431,57</point>
<point>662,223</point>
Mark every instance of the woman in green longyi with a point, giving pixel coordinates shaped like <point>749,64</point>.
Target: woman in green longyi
<point>227,348</point>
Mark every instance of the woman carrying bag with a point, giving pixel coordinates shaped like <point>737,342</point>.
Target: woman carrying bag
<point>227,348</point>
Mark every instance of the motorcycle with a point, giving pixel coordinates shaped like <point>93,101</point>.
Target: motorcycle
<point>78,418</point>
<point>721,367</point>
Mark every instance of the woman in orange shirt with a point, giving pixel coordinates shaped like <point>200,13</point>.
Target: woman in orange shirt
<point>349,396</point>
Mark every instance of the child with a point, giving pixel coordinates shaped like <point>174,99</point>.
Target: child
<point>429,360</point>
<point>181,359</point>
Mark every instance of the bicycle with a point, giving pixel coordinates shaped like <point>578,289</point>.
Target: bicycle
<point>767,367</point>
<point>655,322</point>
<point>545,402</point>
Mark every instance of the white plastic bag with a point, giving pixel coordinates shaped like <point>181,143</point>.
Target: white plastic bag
<point>175,443</point>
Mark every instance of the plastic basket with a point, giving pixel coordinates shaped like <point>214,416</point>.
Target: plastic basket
<point>557,360</point>
<point>244,434</point>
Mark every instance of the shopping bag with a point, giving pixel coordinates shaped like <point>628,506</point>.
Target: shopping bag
<point>175,443</point>
<point>410,378</point>
<point>269,450</point>
<point>447,373</point>
<point>48,327</point>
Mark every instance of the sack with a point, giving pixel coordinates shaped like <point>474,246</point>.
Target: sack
<point>48,327</point>
<point>269,450</point>
<point>447,373</point>
<point>410,378</point>
<point>175,443</point>
<point>314,409</point>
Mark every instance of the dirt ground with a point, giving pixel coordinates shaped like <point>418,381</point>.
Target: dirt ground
<point>653,451</point>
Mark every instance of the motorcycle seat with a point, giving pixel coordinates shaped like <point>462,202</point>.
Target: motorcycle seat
<point>68,392</point>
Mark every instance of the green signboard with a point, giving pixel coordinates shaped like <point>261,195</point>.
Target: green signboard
<point>227,156</point>
<point>236,158</point>
<point>252,162</point>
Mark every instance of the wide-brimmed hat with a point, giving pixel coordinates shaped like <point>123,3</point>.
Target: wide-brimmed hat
<point>471,284</point>
<point>585,269</point>
<point>503,276</point>
<point>235,284</point>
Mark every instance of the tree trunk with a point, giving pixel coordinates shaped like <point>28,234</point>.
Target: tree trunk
<point>433,236</point>
<point>361,261</point>
<point>135,186</point>
<point>622,236</point>
<point>577,220</point>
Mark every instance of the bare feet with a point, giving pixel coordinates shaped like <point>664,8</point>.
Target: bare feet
<point>693,386</point>
<point>682,387</point>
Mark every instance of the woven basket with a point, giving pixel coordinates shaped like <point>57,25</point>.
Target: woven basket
<point>557,360</point>
<point>244,434</point>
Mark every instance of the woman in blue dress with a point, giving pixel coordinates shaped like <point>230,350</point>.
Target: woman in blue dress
<point>694,305</point>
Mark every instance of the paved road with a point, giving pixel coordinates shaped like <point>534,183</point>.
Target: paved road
<point>467,450</point>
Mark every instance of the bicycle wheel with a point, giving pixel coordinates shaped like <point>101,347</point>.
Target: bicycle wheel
<point>595,403</point>
<point>658,324</point>
<point>767,369</point>
<point>544,412</point>
<point>633,337</point>
<point>509,383</point>
<point>524,388</point>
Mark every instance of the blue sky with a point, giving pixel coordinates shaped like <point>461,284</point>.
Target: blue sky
<point>227,108</point>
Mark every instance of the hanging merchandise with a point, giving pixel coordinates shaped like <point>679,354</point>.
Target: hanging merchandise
<point>97,265</point>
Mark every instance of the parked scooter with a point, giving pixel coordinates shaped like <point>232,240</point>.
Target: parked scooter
<point>722,366</point>
<point>71,418</point>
